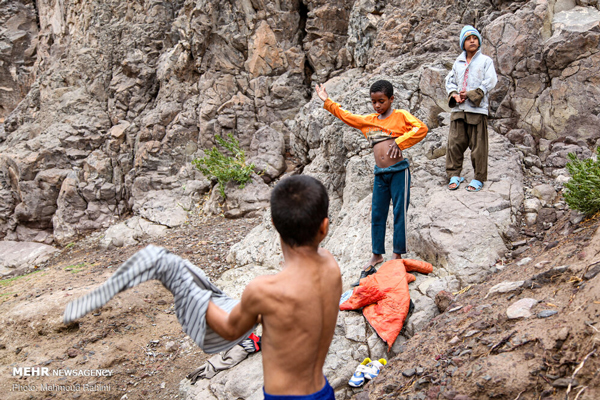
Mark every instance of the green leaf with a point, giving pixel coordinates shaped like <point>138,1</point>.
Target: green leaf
<point>225,168</point>
<point>582,192</point>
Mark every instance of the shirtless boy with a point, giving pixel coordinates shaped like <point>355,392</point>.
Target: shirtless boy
<point>389,131</point>
<point>297,307</point>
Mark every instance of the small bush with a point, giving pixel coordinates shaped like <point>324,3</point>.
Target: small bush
<point>223,167</point>
<point>583,190</point>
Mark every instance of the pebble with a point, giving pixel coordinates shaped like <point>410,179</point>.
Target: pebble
<point>524,261</point>
<point>420,371</point>
<point>409,372</point>
<point>541,264</point>
<point>560,269</point>
<point>520,251</point>
<point>505,287</point>
<point>72,353</point>
<point>521,308</point>
<point>546,313</point>
<point>564,382</point>
<point>455,309</point>
<point>563,334</point>
<point>472,332</point>
<point>591,273</point>
<point>171,347</point>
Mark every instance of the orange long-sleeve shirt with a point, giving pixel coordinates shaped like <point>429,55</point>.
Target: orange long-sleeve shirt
<point>401,125</point>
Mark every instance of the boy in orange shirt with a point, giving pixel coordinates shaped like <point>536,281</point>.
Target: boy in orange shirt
<point>389,131</point>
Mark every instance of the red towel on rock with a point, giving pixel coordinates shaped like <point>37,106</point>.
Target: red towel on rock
<point>385,296</point>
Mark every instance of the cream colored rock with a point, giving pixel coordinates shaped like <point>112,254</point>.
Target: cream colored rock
<point>18,257</point>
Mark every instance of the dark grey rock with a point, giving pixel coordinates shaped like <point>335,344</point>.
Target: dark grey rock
<point>546,313</point>
<point>592,272</point>
<point>564,382</point>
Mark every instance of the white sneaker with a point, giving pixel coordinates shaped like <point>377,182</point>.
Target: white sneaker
<point>358,378</point>
<point>373,368</point>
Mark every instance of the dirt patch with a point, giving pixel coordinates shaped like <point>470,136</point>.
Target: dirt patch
<point>474,351</point>
<point>135,338</point>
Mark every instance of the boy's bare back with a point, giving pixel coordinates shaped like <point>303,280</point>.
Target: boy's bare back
<point>299,312</point>
<point>299,305</point>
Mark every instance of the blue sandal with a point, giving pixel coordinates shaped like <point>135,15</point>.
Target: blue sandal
<point>475,184</point>
<point>457,180</point>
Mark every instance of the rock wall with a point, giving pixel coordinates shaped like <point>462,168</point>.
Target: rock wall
<point>18,45</point>
<point>128,93</point>
<point>115,98</point>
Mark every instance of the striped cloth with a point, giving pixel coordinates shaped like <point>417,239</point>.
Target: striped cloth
<point>190,287</point>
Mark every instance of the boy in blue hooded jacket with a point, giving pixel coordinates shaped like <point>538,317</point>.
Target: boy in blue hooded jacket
<point>468,85</point>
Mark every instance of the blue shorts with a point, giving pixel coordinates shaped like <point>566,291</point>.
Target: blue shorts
<point>324,394</point>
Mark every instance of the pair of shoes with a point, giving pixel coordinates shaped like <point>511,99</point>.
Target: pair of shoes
<point>366,272</point>
<point>457,180</point>
<point>366,370</point>
<point>475,185</point>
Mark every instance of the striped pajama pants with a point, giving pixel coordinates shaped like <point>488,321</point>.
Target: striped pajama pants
<point>190,287</point>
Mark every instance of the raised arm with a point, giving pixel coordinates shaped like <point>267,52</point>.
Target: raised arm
<point>353,120</point>
<point>321,92</point>
<point>243,317</point>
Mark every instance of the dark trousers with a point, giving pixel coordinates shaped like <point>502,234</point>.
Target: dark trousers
<point>467,130</point>
<point>391,183</point>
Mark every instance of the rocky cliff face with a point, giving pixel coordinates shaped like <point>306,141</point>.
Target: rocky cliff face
<point>107,102</point>
<point>18,43</point>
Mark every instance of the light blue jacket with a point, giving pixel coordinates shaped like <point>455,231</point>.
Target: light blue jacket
<point>482,75</point>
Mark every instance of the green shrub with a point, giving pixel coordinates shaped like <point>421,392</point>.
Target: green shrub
<point>583,190</point>
<point>223,167</point>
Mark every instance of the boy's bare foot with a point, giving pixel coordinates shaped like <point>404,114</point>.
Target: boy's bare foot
<point>397,256</point>
<point>375,259</point>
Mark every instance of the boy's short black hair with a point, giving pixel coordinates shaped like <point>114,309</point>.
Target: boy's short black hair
<point>298,206</point>
<point>384,87</point>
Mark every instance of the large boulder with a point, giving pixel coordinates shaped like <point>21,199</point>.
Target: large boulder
<point>17,258</point>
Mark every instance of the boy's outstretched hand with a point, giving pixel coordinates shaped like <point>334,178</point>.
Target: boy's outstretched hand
<point>321,92</point>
